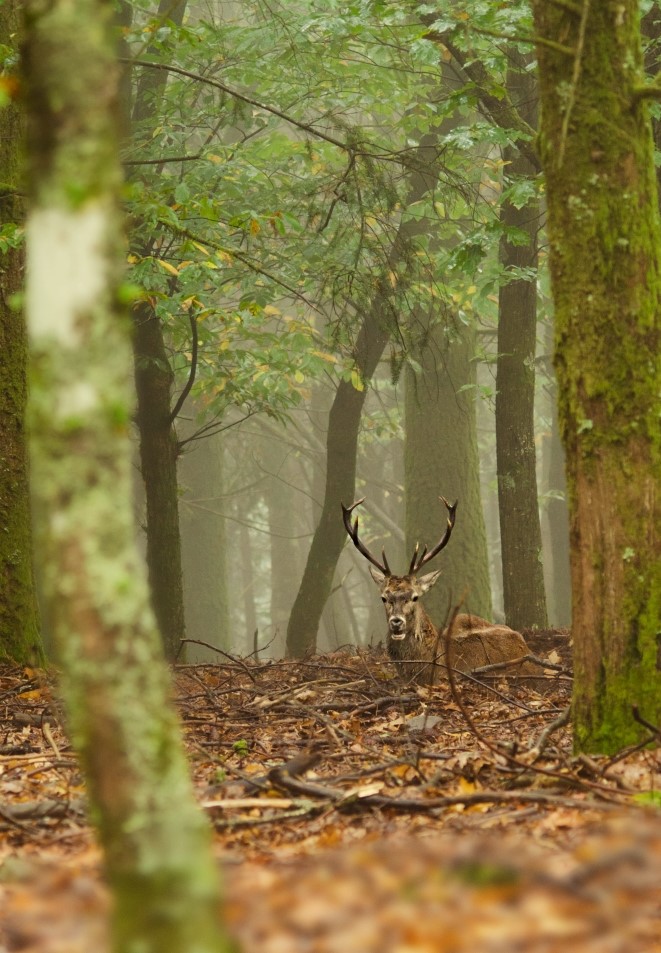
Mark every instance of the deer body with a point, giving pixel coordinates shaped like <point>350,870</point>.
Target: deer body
<point>414,643</point>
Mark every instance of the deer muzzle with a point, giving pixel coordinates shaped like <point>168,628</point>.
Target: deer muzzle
<point>397,627</point>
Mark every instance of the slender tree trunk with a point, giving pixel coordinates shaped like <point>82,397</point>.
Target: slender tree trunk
<point>557,523</point>
<point>158,464</point>
<point>605,254</point>
<point>341,453</point>
<point>520,530</point>
<point>204,546</point>
<point>441,458</point>
<point>158,438</point>
<point>19,621</point>
<point>285,524</point>
<point>156,842</point>
<point>248,588</point>
<point>344,423</point>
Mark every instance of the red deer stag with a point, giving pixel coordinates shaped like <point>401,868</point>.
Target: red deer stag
<point>414,643</point>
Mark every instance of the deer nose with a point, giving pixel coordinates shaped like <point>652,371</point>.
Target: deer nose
<point>396,625</point>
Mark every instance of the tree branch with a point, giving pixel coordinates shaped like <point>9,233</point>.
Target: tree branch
<point>193,368</point>
<point>235,94</point>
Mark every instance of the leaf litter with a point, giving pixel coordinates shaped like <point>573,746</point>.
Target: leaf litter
<point>353,812</point>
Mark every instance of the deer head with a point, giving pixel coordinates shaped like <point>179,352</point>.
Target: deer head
<point>400,594</point>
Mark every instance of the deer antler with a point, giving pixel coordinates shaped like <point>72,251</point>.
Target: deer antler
<point>360,546</point>
<point>420,559</point>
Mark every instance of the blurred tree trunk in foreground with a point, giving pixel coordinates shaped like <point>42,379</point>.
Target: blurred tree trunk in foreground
<point>19,621</point>
<point>156,842</point>
<point>605,254</point>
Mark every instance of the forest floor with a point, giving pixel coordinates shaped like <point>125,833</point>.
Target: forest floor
<point>355,814</point>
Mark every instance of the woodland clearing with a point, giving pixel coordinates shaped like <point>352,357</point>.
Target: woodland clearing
<point>353,812</point>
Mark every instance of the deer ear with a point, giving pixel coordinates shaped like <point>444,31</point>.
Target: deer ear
<point>378,577</point>
<point>426,582</point>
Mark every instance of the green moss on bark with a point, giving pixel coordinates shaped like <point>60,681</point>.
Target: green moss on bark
<point>605,238</point>
<point>20,638</point>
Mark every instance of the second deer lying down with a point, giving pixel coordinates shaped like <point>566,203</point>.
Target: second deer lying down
<point>413,641</point>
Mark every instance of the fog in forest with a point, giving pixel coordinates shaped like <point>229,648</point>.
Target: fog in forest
<point>251,495</point>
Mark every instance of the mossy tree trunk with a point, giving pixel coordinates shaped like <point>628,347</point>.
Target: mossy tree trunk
<point>156,843</point>
<point>605,250</point>
<point>19,623</point>
<point>520,529</point>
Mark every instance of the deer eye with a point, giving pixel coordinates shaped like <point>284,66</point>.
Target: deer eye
<point>414,598</point>
<point>383,599</point>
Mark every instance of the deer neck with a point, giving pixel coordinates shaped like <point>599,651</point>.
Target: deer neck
<point>420,631</point>
<point>425,630</point>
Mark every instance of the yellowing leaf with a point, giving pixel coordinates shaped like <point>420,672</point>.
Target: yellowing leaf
<point>166,266</point>
<point>255,227</point>
<point>299,377</point>
<point>467,787</point>
<point>325,357</point>
<point>269,309</point>
<point>356,382</point>
<point>201,248</point>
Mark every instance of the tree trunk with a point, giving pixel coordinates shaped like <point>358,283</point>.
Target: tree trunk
<point>520,531</point>
<point>441,458</point>
<point>158,438</point>
<point>157,847</point>
<point>285,524</point>
<point>341,453</point>
<point>19,620</point>
<point>247,590</point>
<point>204,547</point>
<point>557,525</point>
<point>344,420</point>
<point>158,465</point>
<point>605,250</point>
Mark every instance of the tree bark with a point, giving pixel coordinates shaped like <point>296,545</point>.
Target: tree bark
<point>557,523</point>
<point>605,250</point>
<point>204,546</point>
<point>158,464</point>
<point>158,439</point>
<point>524,596</point>
<point>156,843</point>
<point>344,418</point>
<point>20,638</point>
<point>341,454</point>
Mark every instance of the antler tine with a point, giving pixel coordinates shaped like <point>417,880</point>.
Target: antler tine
<point>418,562</point>
<point>360,546</point>
<point>414,560</point>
